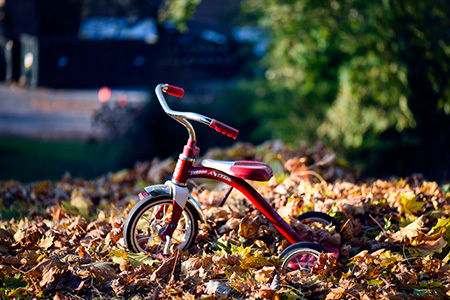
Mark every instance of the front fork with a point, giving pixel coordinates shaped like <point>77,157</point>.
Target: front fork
<point>179,189</point>
<point>180,196</point>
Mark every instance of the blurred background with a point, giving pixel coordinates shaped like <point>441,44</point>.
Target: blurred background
<point>369,80</point>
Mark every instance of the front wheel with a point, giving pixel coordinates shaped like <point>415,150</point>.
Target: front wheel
<point>149,217</point>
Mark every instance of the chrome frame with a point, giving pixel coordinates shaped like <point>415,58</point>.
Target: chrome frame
<point>179,116</point>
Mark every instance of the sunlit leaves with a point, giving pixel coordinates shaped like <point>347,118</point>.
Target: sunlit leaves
<point>393,237</point>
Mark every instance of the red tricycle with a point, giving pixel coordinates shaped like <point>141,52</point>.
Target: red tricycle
<point>166,216</point>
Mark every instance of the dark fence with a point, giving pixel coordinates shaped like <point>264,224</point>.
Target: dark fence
<point>76,63</point>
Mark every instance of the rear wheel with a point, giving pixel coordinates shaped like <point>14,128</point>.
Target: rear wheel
<point>301,256</point>
<point>148,219</point>
<point>317,219</point>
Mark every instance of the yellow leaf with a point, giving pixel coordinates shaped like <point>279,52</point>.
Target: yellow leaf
<point>41,257</point>
<point>255,262</point>
<point>409,204</point>
<point>135,259</point>
<point>442,223</point>
<point>81,203</point>
<point>386,257</point>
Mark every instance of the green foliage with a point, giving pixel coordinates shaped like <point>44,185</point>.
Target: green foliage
<point>178,12</point>
<point>344,66</point>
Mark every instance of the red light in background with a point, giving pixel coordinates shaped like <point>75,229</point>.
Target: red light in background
<point>122,101</point>
<point>104,94</point>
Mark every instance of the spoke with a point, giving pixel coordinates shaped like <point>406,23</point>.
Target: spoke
<point>298,262</point>
<point>148,245</point>
<point>145,218</point>
<point>154,212</point>
<point>176,240</point>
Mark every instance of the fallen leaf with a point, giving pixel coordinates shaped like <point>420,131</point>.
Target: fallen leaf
<point>248,228</point>
<point>164,270</point>
<point>101,270</point>
<point>408,233</point>
<point>47,241</point>
<point>80,202</point>
<point>265,274</point>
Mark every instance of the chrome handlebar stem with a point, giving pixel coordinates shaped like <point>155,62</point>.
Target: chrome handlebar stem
<point>179,116</point>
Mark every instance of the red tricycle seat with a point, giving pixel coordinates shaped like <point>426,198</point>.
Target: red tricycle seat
<point>252,170</point>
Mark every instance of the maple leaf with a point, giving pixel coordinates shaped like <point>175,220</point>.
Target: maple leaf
<point>47,241</point>
<point>423,244</point>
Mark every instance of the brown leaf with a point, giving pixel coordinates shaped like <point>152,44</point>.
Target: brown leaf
<point>405,276</point>
<point>102,271</point>
<point>408,233</point>
<point>248,228</point>
<point>47,241</point>
<point>326,265</point>
<point>426,244</point>
<point>12,260</point>
<point>50,278</point>
<point>265,292</point>
<point>265,274</point>
<point>227,259</point>
<point>43,267</point>
<point>423,243</point>
<point>6,240</point>
<point>56,212</point>
<point>346,288</point>
<point>217,214</point>
<point>164,270</point>
<point>118,287</point>
<point>59,296</point>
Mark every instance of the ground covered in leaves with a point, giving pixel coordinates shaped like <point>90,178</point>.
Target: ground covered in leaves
<point>64,239</point>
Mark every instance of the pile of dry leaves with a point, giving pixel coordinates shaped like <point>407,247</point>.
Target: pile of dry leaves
<point>64,239</point>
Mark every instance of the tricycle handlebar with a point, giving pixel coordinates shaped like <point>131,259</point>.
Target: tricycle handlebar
<point>183,117</point>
